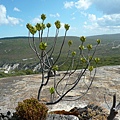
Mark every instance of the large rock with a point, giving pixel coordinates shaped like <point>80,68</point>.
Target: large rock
<point>61,117</point>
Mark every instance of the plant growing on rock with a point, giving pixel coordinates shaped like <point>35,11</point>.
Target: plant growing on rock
<point>46,52</point>
<point>31,109</point>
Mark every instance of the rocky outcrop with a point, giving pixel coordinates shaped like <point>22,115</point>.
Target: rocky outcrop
<point>61,117</point>
<point>8,68</point>
<point>88,112</point>
<point>106,83</point>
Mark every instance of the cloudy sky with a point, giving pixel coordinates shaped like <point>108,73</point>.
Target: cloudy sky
<point>86,17</point>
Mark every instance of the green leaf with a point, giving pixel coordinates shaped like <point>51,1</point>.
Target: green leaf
<point>43,17</point>
<point>89,46</point>
<point>66,26</point>
<point>90,68</point>
<point>28,25</point>
<point>57,24</point>
<point>97,60</point>
<point>70,42</point>
<point>81,47</point>
<point>98,41</point>
<point>83,60</point>
<point>90,57</point>
<point>42,26</point>
<point>38,26</point>
<point>32,30</point>
<point>43,45</point>
<point>52,90</point>
<point>55,67</point>
<point>83,38</point>
<point>73,53</point>
<point>48,25</point>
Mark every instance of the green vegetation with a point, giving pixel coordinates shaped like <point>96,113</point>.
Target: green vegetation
<point>17,50</point>
<point>17,73</point>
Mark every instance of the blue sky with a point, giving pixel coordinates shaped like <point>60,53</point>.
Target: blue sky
<point>85,17</point>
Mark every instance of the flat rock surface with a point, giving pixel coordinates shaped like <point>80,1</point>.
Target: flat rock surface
<point>106,83</point>
<point>61,117</point>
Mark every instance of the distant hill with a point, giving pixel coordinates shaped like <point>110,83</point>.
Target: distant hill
<point>103,36</point>
<point>106,37</point>
<point>17,50</point>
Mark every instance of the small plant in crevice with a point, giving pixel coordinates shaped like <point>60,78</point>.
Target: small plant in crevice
<point>31,109</point>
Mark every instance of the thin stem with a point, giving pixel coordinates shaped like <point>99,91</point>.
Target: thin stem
<point>47,35</point>
<point>63,95</point>
<point>60,49</point>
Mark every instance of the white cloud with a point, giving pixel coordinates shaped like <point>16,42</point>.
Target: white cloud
<point>83,13</point>
<point>3,19</point>
<point>68,4</point>
<point>7,19</point>
<point>109,20</point>
<point>80,4</point>
<point>55,15</point>
<point>16,9</point>
<point>21,25</point>
<point>85,23</point>
<point>62,25</point>
<point>36,20</point>
<point>83,4</point>
<point>104,23</point>
<point>91,17</point>
<point>13,20</point>
<point>107,6</point>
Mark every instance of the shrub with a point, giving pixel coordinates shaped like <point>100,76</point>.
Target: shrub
<point>31,109</point>
<point>50,60</point>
